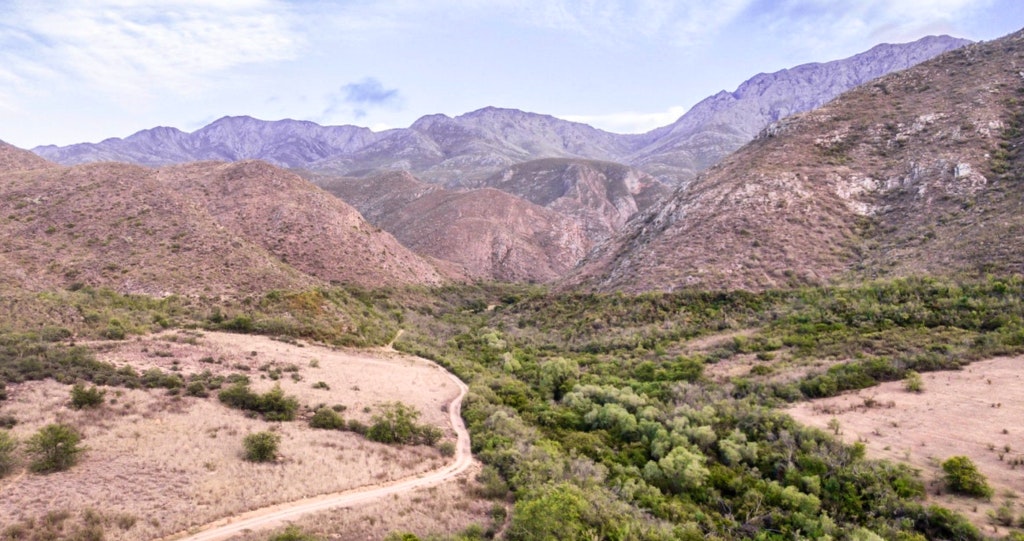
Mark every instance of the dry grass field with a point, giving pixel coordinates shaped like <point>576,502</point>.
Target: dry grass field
<point>158,464</point>
<point>975,412</point>
<point>443,509</point>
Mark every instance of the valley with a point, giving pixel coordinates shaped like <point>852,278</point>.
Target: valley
<point>796,312</point>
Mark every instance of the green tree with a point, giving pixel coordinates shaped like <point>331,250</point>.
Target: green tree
<point>963,477</point>
<point>55,447</point>
<point>8,443</point>
<point>396,423</point>
<point>554,513</point>
<point>261,446</point>
<point>558,376</point>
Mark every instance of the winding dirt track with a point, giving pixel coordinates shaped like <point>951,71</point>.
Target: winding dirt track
<point>280,514</point>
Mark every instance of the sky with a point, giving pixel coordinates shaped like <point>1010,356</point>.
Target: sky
<point>84,70</point>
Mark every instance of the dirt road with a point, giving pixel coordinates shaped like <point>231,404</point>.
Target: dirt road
<point>281,514</point>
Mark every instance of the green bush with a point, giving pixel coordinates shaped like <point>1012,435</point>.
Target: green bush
<point>8,443</point>
<point>963,477</point>
<point>397,424</point>
<point>913,382</point>
<point>261,446</point>
<point>292,533</point>
<point>328,419</point>
<point>82,398</point>
<point>54,448</point>
<point>274,405</point>
<point>447,449</point>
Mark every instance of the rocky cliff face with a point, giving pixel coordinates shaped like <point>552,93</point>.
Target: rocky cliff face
<point>532,222</point>
<point>726,121</point>
<point>600,196</point>
<point>915,173</point>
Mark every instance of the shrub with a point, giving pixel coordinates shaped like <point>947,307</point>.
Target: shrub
<point>328,419</point>
<point>397,424</point>
<point>261,446</point>
<point>54,448</point>
<point>913,382</point>
<point>292,533</point>
<point>963,477</point>
<point>82,398</point>
<point>446,448</point>
<point>197,389</point>
<point>273,404</point>
<point>8,443</point>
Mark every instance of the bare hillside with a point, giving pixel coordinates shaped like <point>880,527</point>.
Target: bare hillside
<point>208,229</point>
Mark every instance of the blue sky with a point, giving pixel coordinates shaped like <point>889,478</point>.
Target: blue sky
<point>84,70</point>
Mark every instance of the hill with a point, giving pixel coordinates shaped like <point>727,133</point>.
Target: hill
<point>915,173</point>
<point>203,229</point>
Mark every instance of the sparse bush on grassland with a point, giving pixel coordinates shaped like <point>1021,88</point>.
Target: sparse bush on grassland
<point>328,419</point>
<point>55,447</point>
<point>396,423</point>
<point>82,398</point>
<point>963,477</point>
<point>8,444</point>
<point>274,405</point>
<point>913,382</point>
<point>292,533</point>
<point>261,446</point>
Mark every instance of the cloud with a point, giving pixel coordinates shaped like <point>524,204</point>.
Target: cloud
<point>369,91</point>
<point>680,22</point>
<point>683,23</point>
<point>356,99</point>
<point>629,122</point>
<point>139,49</point>
<point>837,27</point>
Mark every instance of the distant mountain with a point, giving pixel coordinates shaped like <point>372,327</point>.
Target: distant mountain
<point>287,143</point>
<point>726,121</point>
<point>916,173</point>
<point>198,229</point>
<point>466,149</point>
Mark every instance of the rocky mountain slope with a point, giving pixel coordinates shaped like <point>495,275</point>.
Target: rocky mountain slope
<point>531,222</point>
<point>490,234</point>
<point>469,148</point>
<point>726,121</point>
<point>917,172</point>
<point>600,196</point>
<point>205,229</point>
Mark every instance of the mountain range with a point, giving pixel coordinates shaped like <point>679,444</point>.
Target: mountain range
<point>908,173</point>
<point>469,148</point>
